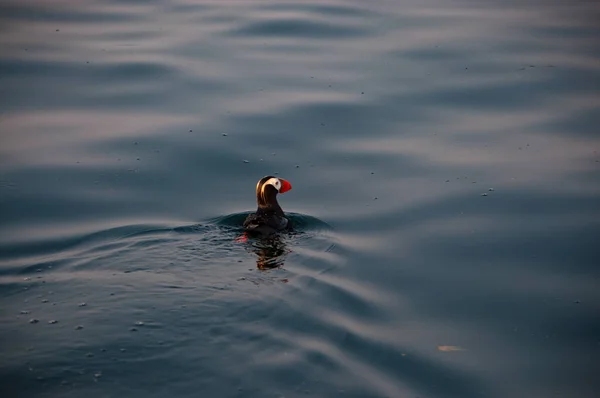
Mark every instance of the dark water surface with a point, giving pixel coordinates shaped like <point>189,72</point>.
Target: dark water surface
<point>445,158</point>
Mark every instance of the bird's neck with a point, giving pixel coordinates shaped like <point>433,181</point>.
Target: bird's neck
<point>270,208</point>
<point>267,201</point>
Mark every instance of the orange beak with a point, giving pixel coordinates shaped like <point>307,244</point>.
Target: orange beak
<point>285,186</point>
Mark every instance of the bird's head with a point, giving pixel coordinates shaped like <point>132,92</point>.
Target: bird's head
<point>267,189</point>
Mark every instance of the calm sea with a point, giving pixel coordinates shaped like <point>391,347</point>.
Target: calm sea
<point>445,159</point>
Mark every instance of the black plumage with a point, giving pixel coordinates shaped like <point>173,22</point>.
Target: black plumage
<point>269,217</point>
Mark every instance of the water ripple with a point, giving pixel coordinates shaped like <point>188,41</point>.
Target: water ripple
<point>445,166</point>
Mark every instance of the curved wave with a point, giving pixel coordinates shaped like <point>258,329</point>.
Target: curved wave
<point>301,222</point>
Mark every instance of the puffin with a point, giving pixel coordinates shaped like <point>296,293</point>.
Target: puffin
<point>269,217</point>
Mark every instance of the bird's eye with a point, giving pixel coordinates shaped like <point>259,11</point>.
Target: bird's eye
<point>274,182</point>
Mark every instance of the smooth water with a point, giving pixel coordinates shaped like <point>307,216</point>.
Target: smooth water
<point>445,158</point>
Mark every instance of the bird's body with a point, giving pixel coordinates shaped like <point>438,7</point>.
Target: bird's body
<point>265,223</point>
<point>269,217</point>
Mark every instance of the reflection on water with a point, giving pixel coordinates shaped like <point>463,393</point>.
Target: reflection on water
<point>270,251</point>
<point>123,124</point>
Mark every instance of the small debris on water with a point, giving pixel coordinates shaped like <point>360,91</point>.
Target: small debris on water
<point>52,321</point>
<point>44,300</point>
<point>82,304</point>
<point>297,166</point>
<point>78,327</point>
<point>448,348</point>
<point>89,355</point>
<point>24,312</point>
<point>98,375</point>
<point>139,323</point>
<point>133,330</point>
<point>246,161</point>
<point>577,302</point>
<point>190,131</point>
<point>491,189</point>
<point>33,320</point>
<point>224,135</point>
<point>484,194</point>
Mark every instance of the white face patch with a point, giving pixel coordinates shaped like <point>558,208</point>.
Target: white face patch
<point>274,182</point>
